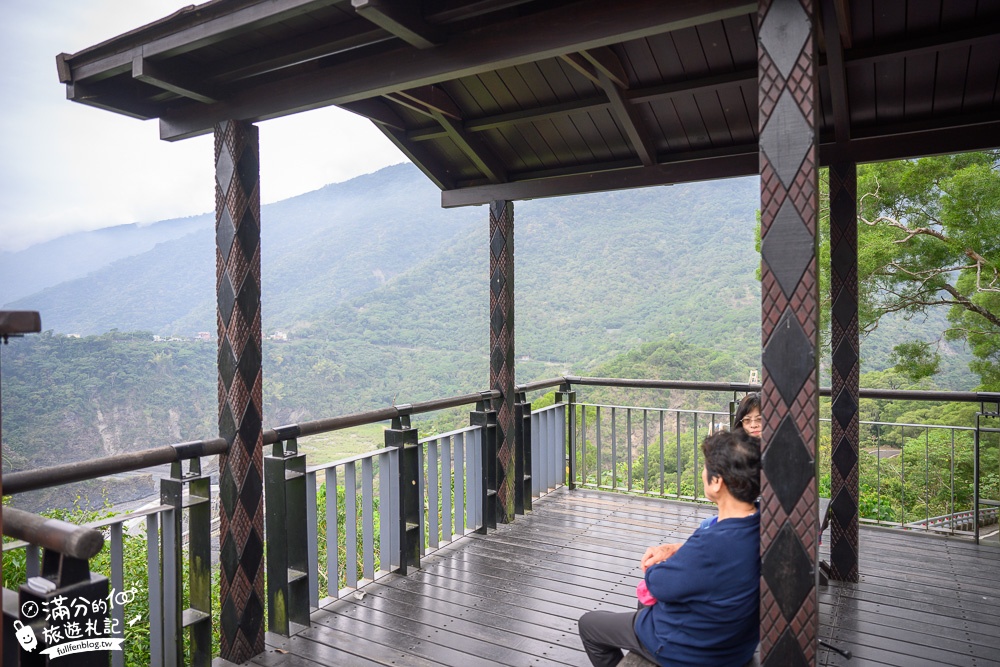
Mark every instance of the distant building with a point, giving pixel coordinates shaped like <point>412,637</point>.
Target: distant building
<point>203,335</point>
<point>279,335</point>
<point>72,335</point>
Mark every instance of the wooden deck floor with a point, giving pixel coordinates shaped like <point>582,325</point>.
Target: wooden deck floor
<point>513,597</point>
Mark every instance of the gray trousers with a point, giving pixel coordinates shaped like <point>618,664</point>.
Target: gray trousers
<point>606,633</point>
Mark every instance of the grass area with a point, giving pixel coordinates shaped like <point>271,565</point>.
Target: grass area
<point>335,445</point>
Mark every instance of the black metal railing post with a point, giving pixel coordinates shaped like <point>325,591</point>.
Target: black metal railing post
<point>485,416</point>
<point>522,453</point>
<point>197,618</point>
<point>983,414</point>
<point>285,528</point>
<point>404,438</point>
<point>568,396</point>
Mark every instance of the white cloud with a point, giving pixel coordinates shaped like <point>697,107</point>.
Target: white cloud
<point>68,167</point>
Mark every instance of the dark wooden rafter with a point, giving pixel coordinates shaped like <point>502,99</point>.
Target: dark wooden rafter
<point>530,115</point>
<point>327,41</point>
<point>149,72</point>
<point>597,103</point>
<point>986,32</point>
<point>418,155</point>
<point>603,68</point>
<point>378,112</point>
<point>546,34</point>
<point>434,102</point>
<point>835,71</point>
<point>94,97</point>
<point>402,19</point>
<point>100,62</point>
<point>622,178</point>
<point>688,87</point>
<point>945,135</point>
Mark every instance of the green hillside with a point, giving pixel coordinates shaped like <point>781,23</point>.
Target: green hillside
<point>384,297</point>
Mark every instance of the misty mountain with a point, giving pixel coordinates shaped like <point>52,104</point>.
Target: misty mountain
<point>77,255</point>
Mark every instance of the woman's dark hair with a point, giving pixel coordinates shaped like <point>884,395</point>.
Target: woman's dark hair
<point>735,457</point>
<point>749,402</point>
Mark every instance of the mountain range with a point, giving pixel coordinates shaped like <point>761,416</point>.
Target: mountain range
<point>381,296</point>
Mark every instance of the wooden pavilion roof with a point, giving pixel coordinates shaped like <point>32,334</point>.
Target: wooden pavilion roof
<point>515,99</point>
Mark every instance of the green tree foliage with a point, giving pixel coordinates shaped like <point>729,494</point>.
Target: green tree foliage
<point>928,239</point>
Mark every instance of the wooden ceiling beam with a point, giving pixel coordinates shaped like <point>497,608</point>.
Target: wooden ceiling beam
<point>836,73</point>
<point>693,86</point>
<point>607,62</point>
<point>985,32</point>
<point>328,41</point>
<point>401,18</point>
<point>954,134</point>
<point>719,166</point>
<point>585,25</point>
<point>94,97</point>
<point>378,112</point>
<point>582,66</point>
<point>531,115</point>
<point>150,73</point>
<point>431,98</point>
<point>157,40</point>
<point>473,148</point>
<point>628,120</point>
<point>419,156</point>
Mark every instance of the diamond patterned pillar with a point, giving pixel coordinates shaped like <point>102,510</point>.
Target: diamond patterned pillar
<point>237,262</point>
<point>502,348</point>
<point>790,325</point>
<point>844,341</point>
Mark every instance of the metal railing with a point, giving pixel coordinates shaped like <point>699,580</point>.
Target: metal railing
<point>178,590</point>
<point>332,528</point>
<point>910,473</point>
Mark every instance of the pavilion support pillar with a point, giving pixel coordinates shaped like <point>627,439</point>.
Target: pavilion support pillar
<point>502,350</point>
<point>241,490</point>
<point>846,346</point>
<point>788,96</point>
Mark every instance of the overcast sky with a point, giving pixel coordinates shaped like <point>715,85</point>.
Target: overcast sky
<point>68,167</point>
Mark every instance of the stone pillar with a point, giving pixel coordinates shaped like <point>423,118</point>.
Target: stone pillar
<point>237,262</point>
<point>502,349</point>
<point>790,326</point>
<point>844,341</point>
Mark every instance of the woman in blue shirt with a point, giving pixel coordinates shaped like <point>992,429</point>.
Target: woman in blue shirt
<point>707,609</point>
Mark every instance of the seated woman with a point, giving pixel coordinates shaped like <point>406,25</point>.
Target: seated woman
<point>707,610</point>
<point>747,415</point>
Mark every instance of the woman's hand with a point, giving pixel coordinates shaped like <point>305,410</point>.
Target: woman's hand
<point>657,554</point>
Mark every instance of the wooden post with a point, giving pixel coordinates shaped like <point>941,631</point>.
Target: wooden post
<point>790,326</point>
<point>241,540</point>
<point>502,349</point>
<point>846,346</point>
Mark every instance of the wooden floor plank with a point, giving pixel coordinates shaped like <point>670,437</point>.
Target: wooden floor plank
<point>513,596</point>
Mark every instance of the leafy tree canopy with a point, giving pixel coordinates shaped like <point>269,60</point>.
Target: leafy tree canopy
<point>928,238</point>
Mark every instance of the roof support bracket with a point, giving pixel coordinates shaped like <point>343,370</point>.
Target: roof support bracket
<point>148,72</point>
<point>401,18</point>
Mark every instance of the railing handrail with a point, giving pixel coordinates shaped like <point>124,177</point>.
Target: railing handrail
<point>373,416</point>
<point>44,478</point>
<point>890,394</point>
<point>52,534</point>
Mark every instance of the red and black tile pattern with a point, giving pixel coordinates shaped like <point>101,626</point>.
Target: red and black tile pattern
<point>237,261</point>
<point>502,348</point>
<point>845,344</point>
<point>790,323</point>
